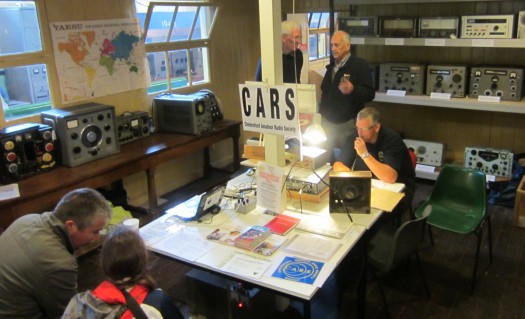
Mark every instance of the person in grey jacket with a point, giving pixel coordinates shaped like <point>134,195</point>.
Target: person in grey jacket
<point>38,268</point>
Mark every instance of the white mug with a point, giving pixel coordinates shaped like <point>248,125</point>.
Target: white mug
<point>131,223</point>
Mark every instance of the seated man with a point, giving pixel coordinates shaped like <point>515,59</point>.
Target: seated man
<point>38,268</point>
<point>380,150</point>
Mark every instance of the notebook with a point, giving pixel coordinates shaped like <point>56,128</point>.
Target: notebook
<point>199,205</point>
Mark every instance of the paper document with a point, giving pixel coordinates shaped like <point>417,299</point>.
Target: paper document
<point>384,199</point>
<point>9,191</point>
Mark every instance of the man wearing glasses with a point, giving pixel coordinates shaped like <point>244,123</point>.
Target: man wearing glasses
<point>380,150</point>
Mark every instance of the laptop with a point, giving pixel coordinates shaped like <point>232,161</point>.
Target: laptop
<point>199,205</point>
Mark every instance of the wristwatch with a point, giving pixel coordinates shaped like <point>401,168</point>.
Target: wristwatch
<point>365,155</point>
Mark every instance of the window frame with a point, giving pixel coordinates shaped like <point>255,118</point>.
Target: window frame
<point>186,45</point>
<point>26,59</point>
<point>320,30</point>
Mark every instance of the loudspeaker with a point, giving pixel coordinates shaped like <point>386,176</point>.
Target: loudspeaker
<point>521,25</point>
<point>350,192</point>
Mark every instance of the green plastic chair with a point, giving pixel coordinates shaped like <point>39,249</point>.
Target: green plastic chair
<point>459,205</point>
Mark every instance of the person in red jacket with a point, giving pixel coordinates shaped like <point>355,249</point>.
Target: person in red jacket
<point>123,260</point>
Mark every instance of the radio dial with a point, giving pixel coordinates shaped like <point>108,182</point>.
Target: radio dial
<point>49,147</point>
<point>47,157</point>
<point>13,168</point>
<point>9,145</point>
<point>11,157</point>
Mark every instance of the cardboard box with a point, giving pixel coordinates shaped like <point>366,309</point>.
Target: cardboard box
<point>519,206</point>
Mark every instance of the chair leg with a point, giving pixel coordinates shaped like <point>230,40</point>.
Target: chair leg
<point>422,275</point>
<point>489,224</point>
<point>383,296</point>
<point>430,235</point>
<point>480,236</point>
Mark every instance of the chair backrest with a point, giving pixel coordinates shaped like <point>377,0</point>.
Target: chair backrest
<point>408,237</point>
<point>461,187</point>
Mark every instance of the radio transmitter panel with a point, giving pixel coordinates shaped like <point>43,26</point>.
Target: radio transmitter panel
<point>506,83</point>
<point>447,79</point>
<point>439,27</point>
<point>487,27</point>
<point>132,126</point>
<point>27,149</point>
<point>398,27</point>
<point>497,162</point>
<point>427,153</point>
<point>86,132</point>
<point>359,26</point>
<point>403,77</point>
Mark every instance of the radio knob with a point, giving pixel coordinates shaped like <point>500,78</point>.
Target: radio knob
<point>479,164</point>
<point>12,168</point>
<point>94,152</point>
<point>100,117</point>
<point>495,167</point>
<point>456,78</point>
<point>47,157</point>
<point>74,135</point>
<point>47,135</point>
<point>107,127</point>
<point>11,157</point>
<point>77,150</point>
<point>9,145</point>
<point>49,147</point>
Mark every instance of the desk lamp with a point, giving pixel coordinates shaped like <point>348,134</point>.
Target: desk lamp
<point>314,134</point>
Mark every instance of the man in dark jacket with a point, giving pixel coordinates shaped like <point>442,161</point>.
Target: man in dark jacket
<point>346,87</point>
<point>38,269</point>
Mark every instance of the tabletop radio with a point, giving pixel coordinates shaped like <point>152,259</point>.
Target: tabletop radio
<point>27,149</point>
<point>497,162</point>
<point>86,132</point>
<point>427,153</point>
<point>439,27</point>
<point>447,79</point>
<point>505,83</point>
<point>132,126</point>
<point>186,114</point>
<point>398,27</point>
<point>487,27</point>
<point>359,26</point>
<point>403,77</point>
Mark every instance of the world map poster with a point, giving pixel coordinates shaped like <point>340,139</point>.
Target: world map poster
<point>98,58</point>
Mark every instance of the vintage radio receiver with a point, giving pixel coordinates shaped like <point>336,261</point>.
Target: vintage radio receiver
<point>520,34</point>
<point>359,26</point>
<point>427,153</point>
<point>187,114</point>
<point>439,27</point>
<point>447,79</point>
<point>398,27</point>
<point>403,77</point>
<point>86,132</point>
<point>507,83</point>
<point>487,27</point>
<point>132,126</point>
<point>27,149</point>
<point>497,162</point>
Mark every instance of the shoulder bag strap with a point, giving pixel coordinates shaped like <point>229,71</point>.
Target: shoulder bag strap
<point>133,306</point>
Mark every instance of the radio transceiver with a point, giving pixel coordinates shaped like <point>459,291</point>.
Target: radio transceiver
<point>520,34</point>
<point>497,162</point>
<point>427,153</point>
<point>403,77</point>
<point>398,27</point>
<point>505,83</point>
<point>132,126</point>
<point>359,26</point>
<point>447,79</point>
<point>487,27</point>
<point>27,149</point>
<point>446,27</point>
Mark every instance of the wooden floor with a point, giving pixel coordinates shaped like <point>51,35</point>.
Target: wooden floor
<point>499,292</point>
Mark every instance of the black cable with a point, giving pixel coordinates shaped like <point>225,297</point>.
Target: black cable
<point>338,195</point>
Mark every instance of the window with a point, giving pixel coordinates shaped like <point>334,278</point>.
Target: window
<point>177,39</point>
<point>319,35</point>
<point>24,86</point>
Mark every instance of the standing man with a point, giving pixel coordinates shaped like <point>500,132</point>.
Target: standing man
<point>292,55</point>
<point>346,87</point>
<point>38,269</point>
